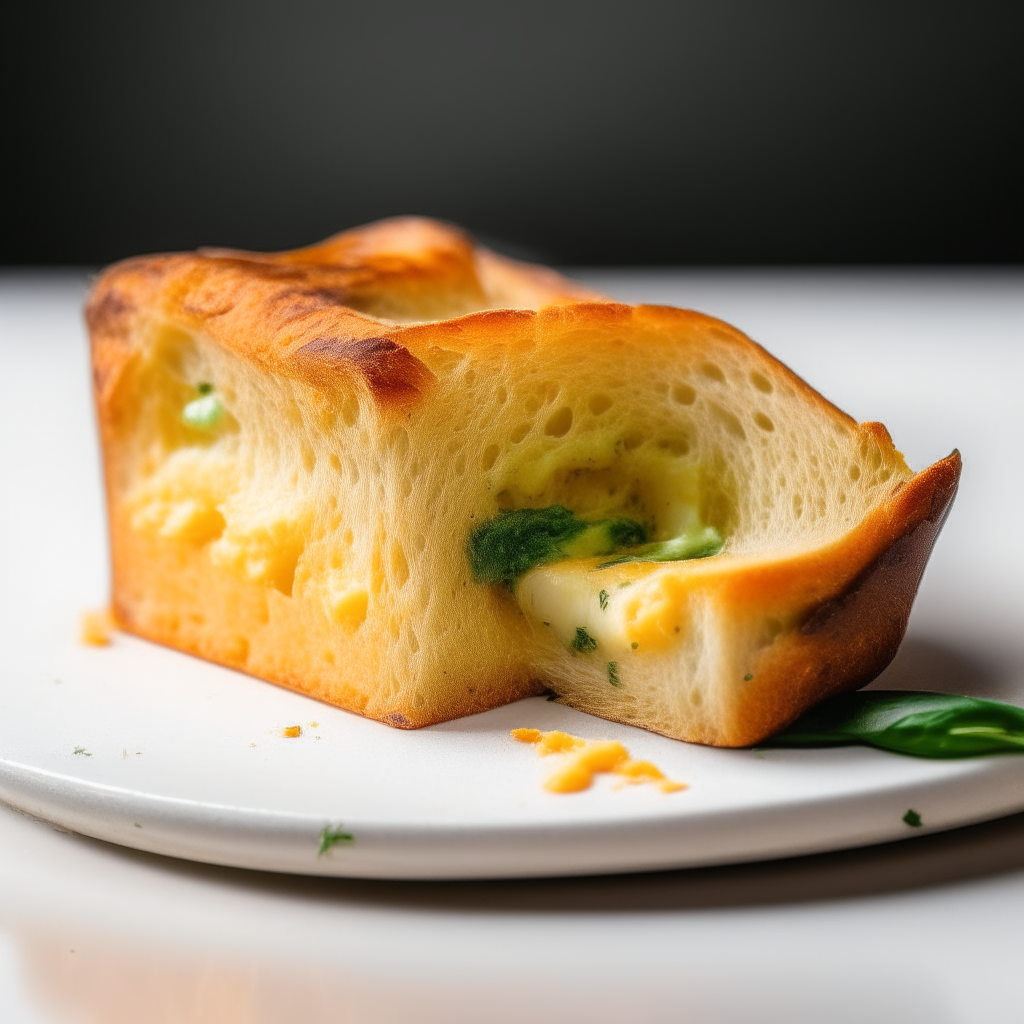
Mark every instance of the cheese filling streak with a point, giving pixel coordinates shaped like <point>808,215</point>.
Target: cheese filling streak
<point>555,563</point>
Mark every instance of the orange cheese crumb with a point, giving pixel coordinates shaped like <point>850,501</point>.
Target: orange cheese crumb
<point>526,735</point>
<point>590,758</point>
<point>291,731</point>
<point>95,628</point>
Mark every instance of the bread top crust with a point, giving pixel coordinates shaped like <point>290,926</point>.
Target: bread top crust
<point>369,305</point>
<point>344,304</point>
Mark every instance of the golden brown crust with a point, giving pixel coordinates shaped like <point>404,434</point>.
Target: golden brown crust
<point>309,310</point>
<point>845,639</point>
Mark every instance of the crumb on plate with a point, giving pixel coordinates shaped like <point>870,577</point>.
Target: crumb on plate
<point>590,758</point>
<point>95,627</point>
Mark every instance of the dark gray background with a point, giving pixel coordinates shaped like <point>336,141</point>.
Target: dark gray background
<point>738,131</point>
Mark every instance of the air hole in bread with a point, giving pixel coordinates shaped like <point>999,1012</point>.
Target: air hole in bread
<point>678,444</point>
<point>713,372</point>
<point>350,412</point>
<point>560,423</point>
<point>730,421</point>
<point>683,394</point>
<point>599,404</point>
<point>761,382</point>
<point>764,422</point>
<point>548,392</point>
<point>400,442</point>
<point>489,457</point>
<point>520,431</point>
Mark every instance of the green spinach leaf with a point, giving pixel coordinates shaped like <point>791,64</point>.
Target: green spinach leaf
<point>516,541</point>
<point>921,724</point>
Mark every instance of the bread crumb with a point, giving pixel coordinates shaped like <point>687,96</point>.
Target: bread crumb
<point>291,731</point>
<point>95,627</point>
<point>590,758</point>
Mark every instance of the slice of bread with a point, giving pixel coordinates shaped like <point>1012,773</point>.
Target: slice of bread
<point>320,466</point>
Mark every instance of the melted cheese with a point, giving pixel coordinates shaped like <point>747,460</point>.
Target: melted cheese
<point>588,758</point>
<point>636,607</point>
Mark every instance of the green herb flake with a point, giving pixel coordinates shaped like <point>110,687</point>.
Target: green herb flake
<point>613,673</point>
<point>333,836</point>
<point>634,645</point>
<point>583,641</point>
<point>204,412</point>
<point>204,388</point>
<point>82,751</point>
<point>701,543</point>
<point>748,677</point>
<point>916,723</point>
<point>603,599</point>
<point>912,818</point>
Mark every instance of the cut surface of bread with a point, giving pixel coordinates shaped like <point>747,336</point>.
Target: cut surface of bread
<point>417,480</point>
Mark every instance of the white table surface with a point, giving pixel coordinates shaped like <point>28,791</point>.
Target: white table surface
<point>928,929</point>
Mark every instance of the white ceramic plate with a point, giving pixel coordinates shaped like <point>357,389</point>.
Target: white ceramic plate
<point>149,748</point>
